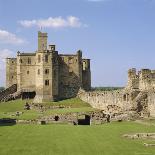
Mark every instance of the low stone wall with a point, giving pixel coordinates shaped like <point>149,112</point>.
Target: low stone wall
<point>121,101</point>
<point>107,100</point>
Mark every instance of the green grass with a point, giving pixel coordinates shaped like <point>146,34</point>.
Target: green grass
<point>12,106</point>
<point>73,102</point>
<point>73,140</point>
<point>9,109</point>
<point>68,110</point>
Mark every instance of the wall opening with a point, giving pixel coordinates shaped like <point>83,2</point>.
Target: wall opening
<point>84,120</point>
<point>28,95</point>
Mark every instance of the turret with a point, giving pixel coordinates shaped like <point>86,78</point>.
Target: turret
<point>133,79</point>
<point>42,41</point>
<point>86,74</point>
<point>145,79</point>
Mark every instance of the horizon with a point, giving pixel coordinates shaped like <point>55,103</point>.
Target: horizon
<point>115,34</point>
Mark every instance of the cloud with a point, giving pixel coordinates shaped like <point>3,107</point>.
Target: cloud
<point>10,38</point>
<point>4,53</point>
<point>57,22</point>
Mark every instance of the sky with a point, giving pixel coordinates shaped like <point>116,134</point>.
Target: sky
<point>115,34</point>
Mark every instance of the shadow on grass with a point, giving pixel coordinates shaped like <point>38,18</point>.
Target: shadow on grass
<point>7,122</point>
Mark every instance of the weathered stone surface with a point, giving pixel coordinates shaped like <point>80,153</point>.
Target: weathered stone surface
<point>138,95</point>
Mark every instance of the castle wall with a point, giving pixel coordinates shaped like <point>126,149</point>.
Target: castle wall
<point>133,79</point>
<point>151,103</point>
<point>55,75</point>
<point>69,75</point>
<point>116,100</point>
<point>26,72</point>
<point>44,77</point>
<point>11,71</point>
<point>145,79</point>
<point>86,74</point>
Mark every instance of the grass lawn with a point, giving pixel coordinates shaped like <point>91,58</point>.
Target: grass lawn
<point>73,140</point>
<point>8,109</point>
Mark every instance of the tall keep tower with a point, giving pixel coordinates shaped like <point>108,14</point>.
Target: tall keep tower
<point>43,70</point>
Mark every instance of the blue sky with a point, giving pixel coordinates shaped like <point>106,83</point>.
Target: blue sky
<point>115,34</point>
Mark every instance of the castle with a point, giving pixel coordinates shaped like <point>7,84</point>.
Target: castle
<point>48,74</point>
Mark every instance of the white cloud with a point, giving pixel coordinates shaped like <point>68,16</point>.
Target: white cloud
<point>10,38</point>
<point>4,53</point>
<point>57,22</point>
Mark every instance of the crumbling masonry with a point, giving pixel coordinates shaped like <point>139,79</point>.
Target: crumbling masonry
<point>137,97</point>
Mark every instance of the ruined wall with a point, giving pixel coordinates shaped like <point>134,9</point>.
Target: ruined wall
<point>117,100</point>
<point>143,79</point>
<point>11,71</point>
<point>151,103</point>
<point>133,79</point>
<point>69,76</point>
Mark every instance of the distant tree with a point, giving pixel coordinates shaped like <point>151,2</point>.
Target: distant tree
<point>106,88</point>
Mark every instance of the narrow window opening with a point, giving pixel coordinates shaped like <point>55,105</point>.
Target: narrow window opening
<point>46,82</point>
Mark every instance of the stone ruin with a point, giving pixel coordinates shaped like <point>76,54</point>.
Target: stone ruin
<point>137,99</point>
<point>145,136</point>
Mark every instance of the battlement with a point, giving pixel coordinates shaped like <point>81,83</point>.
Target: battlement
<point>143,79</point>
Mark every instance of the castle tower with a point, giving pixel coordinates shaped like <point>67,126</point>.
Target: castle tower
<point>145,79</point>
<point>42,41</point>
<point>86,74</point>
<point>133,79</point>
<point>11,71</point>
<point>54,72</point>
<point>43,70</point>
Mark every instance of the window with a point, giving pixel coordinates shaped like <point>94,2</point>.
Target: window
<point>84,65</point>
<point>29,60</point>
<point>46,71</point>
<point>39,58</point>
<point>20,60</point>
<point>46,82</point>
<point>28,72</point>
<point>38,71</point>
<point>12,77</point>
<point>46,58</point>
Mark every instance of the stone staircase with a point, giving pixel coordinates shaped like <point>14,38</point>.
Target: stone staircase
<point>9,94</point>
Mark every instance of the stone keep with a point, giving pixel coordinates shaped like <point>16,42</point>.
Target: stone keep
<point>51,75</point>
